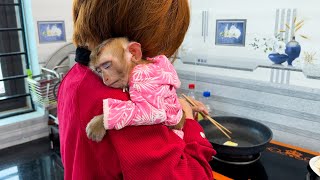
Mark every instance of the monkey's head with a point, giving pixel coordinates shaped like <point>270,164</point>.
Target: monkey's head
<point>114,60</point>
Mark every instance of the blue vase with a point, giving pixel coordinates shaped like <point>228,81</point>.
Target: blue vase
<point>293,50</point>
<point>278,58</point>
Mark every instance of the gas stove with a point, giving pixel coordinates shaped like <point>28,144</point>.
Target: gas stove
<point>278,162</point>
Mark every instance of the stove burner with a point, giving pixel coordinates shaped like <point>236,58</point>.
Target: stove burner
<point>237,160</point>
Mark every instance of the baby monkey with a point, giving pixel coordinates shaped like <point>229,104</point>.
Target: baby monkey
<point>151,82</point>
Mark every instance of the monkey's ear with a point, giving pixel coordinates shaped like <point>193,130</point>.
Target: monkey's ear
<point>135,49</point>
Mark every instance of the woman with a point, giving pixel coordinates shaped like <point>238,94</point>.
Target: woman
<point>136,152</point>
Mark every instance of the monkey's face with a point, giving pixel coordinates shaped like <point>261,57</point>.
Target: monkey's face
<point>115,71</point>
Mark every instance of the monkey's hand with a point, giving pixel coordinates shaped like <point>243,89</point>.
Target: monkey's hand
<point>180,125</point>
<point>95,129</point>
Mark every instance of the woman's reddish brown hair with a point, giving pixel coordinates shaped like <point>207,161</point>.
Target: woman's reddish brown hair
<point>158,25</point>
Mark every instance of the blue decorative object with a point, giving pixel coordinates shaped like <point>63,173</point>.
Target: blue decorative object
<point>278,58</point>
<point>293,50</point>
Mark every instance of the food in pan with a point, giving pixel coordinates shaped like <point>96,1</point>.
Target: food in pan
<point>314,164</point>
<point>230,143</point>
<point>317,163</point>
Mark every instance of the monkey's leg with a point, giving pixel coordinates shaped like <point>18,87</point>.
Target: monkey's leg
<point>95,129</point>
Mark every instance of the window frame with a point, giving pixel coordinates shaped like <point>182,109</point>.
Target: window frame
<point>16,99</point>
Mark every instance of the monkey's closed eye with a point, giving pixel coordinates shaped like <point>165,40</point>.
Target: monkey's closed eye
<point>106,65</point>
<point>98,70</point>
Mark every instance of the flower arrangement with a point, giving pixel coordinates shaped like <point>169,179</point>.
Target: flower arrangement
<point>269,45</point>
<point>309,62</point>
<point>276,44</point>
<point>309,57</point>
<point>295,28</point>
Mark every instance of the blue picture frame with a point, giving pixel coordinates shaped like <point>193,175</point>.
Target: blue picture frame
<point>51,31</point>
<point>230,32</point>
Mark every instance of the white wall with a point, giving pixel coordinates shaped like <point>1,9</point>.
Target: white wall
<point>224,79</point>
<point>47,10</point>
<point>260,17</point>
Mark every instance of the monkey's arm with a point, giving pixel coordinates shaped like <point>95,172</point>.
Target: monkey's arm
<point>156,105</point>
<point>118,114</point>
<point>153,97</point>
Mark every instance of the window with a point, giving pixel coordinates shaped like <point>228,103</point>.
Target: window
<point>9,173</point>
<point>2,91</point>
<point>14,96</point>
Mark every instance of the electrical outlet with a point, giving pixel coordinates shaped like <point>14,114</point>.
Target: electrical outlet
<point>202,61</point>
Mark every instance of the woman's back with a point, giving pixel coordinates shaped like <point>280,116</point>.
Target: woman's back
<point>135,152</point>
<point>80,99</point>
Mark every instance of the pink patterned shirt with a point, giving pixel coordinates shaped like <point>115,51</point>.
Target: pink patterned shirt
<point>153,98</point>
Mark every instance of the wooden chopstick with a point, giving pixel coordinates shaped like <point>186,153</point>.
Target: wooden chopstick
<point>217,125</point>
<point>214,122</point>
<point>210,118</point>
<point>207,116</point>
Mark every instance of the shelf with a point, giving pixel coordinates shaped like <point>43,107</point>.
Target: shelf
<point>311,73</point>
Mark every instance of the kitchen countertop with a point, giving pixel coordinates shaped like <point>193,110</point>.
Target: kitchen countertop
<point>312,71</point>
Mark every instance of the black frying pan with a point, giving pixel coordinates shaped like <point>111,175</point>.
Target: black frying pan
<point>251,136</point>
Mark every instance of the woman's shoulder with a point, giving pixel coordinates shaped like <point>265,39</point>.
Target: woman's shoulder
<point>79,77</point>
<point>83,81</point>
<point>159,60</point>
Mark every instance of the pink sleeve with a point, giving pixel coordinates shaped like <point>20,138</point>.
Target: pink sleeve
<point>119,114</point>
<point>139,111</point>
<point>151,102</point>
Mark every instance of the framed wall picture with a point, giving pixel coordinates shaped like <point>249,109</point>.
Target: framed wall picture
<point>51,31</point>
<point>231,32</point>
